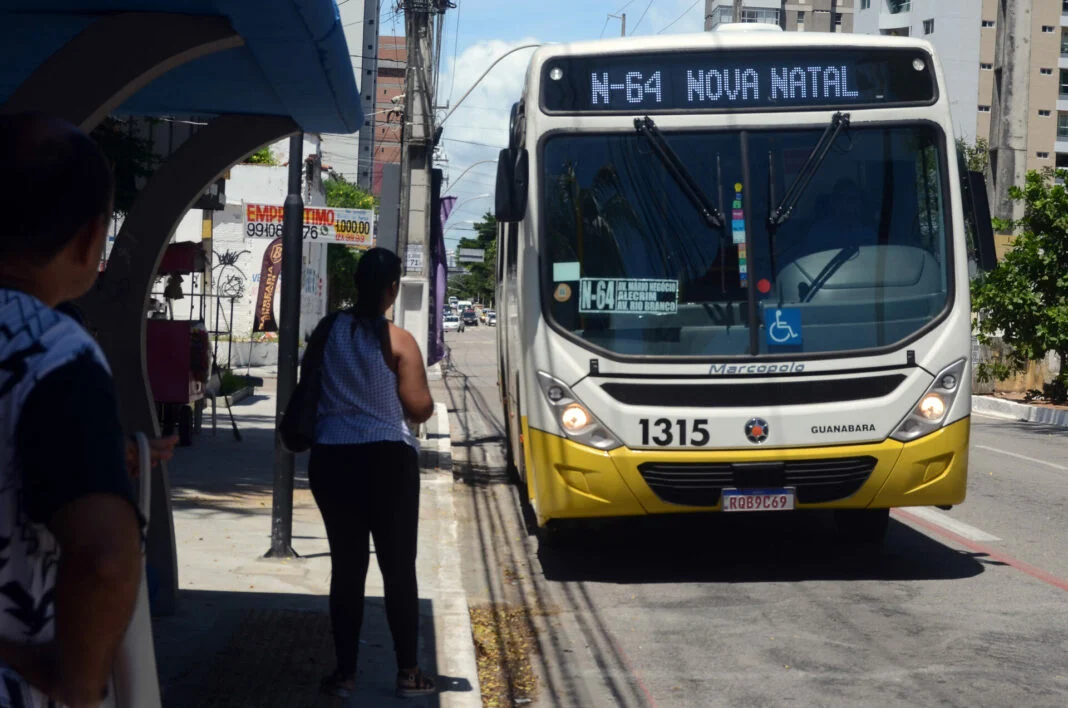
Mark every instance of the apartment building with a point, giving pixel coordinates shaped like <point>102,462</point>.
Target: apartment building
<point>818,16</point>
<point>1002,60</point>
<point>392,65</point>
<point>1026,114</point>
<point>956,29</point>
<point>791,15</point>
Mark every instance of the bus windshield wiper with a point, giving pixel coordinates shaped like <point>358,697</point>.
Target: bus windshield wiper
<point>647,128</point>
<point>785,209</point>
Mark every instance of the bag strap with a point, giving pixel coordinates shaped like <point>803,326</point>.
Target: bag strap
<point>313,355</point>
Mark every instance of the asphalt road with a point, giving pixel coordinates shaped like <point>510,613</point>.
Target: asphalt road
<point>965,608</point>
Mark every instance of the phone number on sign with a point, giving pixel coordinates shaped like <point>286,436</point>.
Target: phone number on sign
<point>259,229</point>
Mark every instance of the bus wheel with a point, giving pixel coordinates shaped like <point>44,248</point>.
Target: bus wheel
<point>862,526</point>
<point>512,468</point>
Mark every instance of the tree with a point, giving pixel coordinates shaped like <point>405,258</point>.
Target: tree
<point>341,260</point>
<point>480,281</point>
<point>976,156</point>
<point>263,156</point>
<point>1024,300</point>
<point>132,159</point>
<point>344,194</point>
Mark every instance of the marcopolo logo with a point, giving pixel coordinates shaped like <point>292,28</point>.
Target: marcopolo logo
<point>735,369</point>
<point>851,428</point>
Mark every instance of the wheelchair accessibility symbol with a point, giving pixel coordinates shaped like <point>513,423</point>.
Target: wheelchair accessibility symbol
<point>785,329</point>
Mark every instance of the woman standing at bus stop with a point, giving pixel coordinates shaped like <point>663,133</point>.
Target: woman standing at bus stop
<point>364,469</point>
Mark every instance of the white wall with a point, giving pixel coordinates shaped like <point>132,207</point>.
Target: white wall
<point>956,41</point>
<point>261,184</point>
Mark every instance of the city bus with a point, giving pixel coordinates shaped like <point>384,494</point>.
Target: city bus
<point>733,276</point>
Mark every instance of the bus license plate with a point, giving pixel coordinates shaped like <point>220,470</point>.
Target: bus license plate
<point>758,499</point>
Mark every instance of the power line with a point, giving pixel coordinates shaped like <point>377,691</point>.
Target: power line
<point>471,142</point>
<point>606,21</point>
<point>684,13</point>
<point>641,18</point>
<point>455,47</point>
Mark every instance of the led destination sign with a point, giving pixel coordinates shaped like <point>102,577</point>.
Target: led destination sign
<point>737,80</point>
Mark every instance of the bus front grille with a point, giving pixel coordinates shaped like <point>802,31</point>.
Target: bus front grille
<point>700,483</point>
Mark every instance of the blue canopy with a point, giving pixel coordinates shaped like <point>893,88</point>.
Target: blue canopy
<point>295,61</point>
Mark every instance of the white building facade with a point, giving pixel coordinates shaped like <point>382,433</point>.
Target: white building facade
<point>953,27</point>
<point>719,12</point>
<point>237,259</point>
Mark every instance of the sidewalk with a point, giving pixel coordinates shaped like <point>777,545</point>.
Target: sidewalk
<point>255,632</point>
<point>1011,410</point>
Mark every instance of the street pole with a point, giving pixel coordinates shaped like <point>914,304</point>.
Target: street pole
<point>288,328</point>
<point>737,10</point>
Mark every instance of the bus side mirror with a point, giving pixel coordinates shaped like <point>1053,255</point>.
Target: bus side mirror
<point>511,192</point>
<point>984,225</point>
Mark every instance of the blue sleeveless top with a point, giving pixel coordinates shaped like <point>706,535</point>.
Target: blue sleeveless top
<point>359,402</point>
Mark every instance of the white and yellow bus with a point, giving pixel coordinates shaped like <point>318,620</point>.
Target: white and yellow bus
<point>733,276</point>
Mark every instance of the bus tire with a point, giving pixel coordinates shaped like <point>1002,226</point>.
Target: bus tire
<point>865,527</point>
<point>512,469</point>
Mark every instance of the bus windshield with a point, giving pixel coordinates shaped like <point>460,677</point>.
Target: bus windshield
<point>863,262</point>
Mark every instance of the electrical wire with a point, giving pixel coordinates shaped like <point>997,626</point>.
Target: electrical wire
<point>642,17</point>
<point>455,48</point>
<point>684,13</point>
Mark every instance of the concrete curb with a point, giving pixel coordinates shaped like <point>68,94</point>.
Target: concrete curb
<point>1011,410</point>
<point>455,646</point>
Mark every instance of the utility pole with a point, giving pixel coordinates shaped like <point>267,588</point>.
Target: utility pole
<point>737,10</point>
<point>368,83</point>
<point>623,29</point>
<point>422,19</point>
<point>289,326</point>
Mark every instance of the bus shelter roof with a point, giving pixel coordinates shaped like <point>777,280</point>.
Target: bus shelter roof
<point>293,60</point>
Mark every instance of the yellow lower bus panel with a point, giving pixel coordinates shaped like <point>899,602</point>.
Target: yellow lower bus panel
<point>572,481</point>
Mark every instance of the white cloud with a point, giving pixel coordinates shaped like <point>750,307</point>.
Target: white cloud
<point>482,118</point>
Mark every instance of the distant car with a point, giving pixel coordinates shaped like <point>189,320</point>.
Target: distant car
<point>491,319</point>
<point>452,323</point>
<point>469,318</point>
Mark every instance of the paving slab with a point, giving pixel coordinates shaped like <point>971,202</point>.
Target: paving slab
<point>251,631</point>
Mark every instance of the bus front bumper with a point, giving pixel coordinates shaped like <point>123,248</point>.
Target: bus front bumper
<point>572,481</point>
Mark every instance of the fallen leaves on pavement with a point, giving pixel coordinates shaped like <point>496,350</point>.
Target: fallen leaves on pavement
<point>504,644</point>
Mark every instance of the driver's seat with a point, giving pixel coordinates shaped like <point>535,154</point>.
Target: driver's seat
<point>897,271</point>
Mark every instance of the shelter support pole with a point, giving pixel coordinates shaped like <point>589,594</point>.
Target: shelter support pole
<point>288,329</point>
<point>117,306</point>
<point>114,58</point>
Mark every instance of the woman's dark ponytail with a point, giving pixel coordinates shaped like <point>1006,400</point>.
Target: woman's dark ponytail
<point>376,272</point>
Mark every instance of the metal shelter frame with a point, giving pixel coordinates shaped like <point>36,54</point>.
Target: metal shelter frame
<point>94,74</point>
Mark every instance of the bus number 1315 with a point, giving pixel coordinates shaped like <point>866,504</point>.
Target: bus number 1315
<point>664,432</point>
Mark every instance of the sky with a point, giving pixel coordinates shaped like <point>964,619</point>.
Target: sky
<point>479,31</point>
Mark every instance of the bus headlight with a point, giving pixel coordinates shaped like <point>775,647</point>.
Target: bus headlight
<point>575,419</point>
<point>929,414</point>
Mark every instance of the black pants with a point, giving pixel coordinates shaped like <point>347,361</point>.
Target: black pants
<point>370,489</point>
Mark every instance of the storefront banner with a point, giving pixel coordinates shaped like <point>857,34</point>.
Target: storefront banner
<point>351,227</point>
<point>270,273</point>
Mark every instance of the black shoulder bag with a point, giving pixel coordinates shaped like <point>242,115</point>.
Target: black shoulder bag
<point>297,427</point>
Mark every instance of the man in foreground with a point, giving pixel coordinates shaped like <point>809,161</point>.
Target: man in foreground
<point>70,531</point>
